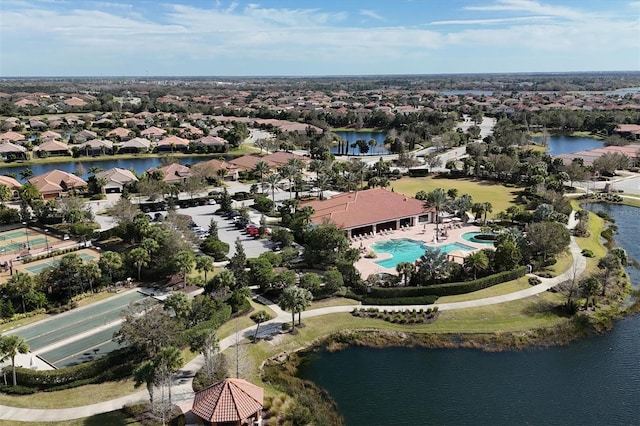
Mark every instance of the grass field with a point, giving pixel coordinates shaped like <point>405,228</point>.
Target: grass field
<point>498,195</point>
<point>496,290</point>
<point>113,418</point>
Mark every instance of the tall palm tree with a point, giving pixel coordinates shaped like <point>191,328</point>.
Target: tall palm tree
<point>91,272</point>
<point>261,168</point>
<point>358,167</point>
<point>272,182</point>
<point>433,264</point>
<point>204,264</point>
<point>259,317</point>
<point>168,361</point>
<point>145,373</point>
<point>317,166</point>
<point>21,284</point>
<point>140,258</point>
<point>10,346</point>
<point>488,208</point>
<point>290,173</point>
<point>110,262</point>
<point>184,261</point>
<point>476,261</point>
<point>438,200</point>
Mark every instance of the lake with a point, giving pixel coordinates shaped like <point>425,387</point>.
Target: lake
<point>352,136</point>
<point>137,164</point>
<point>563,144</point>
<point>592,381</point>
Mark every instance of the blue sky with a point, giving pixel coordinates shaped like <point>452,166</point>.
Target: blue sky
<point>315,37</point>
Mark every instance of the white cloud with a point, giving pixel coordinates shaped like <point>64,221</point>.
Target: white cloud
<point>371,14</point>
<point>492,21</point>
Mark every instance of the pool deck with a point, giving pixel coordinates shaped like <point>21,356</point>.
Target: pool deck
<point>425,233</point>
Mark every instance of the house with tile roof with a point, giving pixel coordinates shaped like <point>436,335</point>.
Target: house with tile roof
<point>135,145</point>
<point>52,148</point>
<point>153,133</point>
<point>173,143</point>
<point>12,136</point>
<point>119,133</point>
<point>281,158</point>
<point>229,402</point>
<point>248,162</point>
<point>173,173</point>
<point>57,183</point>
<point>11,151</point>
<point>50,135</point>
<point>212,143</point>
<point>370,211</point>
<point>84,135</point>
<point>216,165</point>
<point>96,147</point>
<point>13,185</point>
<point>116,179</point>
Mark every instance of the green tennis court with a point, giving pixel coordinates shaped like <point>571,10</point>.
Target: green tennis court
<point>39,266</point>
<point>10,235</point>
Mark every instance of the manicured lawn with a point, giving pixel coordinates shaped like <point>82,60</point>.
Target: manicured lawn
<point>113,418</point>
<point>334,301</point>
<point>634,202</point>
<point>242,322</point>
<point>498,195</point>
<point>496,290</point>
<point>25,321</point>
<point>76,397</point>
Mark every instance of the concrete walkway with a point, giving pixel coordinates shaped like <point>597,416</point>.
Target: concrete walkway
<point>182,390</point>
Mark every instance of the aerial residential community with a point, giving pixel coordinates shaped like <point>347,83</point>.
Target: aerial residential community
<point>389,246</point>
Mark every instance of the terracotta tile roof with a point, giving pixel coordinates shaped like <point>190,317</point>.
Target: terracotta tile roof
<point>56,181</point>
<point>355,209</point>
<point>281,157</point>
<point>248,162</point>
<point>211,140</point>
<point>121,176</point>
<point>175,140</point>
<point>52,146</point>
<point>50,135</point>
<point>12,136</point>
<point>137,143</point>
<point>153,131</point>
<point>217,165</point>
<point>120,132</point>
<point>8,147</point>
<point>10,182</point>
<point>230,400</point>
<point>174,172</point>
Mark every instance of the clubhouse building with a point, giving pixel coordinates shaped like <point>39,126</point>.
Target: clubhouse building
<point>370,211</point>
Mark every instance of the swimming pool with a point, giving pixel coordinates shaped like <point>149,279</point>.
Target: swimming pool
<point>471,236</point>
<point>407,250</point>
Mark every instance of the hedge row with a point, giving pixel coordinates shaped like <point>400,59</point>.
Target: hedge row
<point>30,259</point>
<point>114,366</point>
<point>447,289</point>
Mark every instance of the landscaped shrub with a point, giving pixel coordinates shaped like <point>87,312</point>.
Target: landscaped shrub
<point>17,390</point>
<point>418,300</point>
<point>587,253</point>
<point>534,280</point>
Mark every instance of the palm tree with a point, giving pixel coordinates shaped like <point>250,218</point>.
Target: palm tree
<point>223,280</point>
<point>476,261</point>
<point>10,346</point>
<point>358,167</point>
<point>317,166</point>
<point>168,361</point>
<point>5,193</point>
<point>204,264</point>
<point>288,302</point>
<point>261,168</point>
<point>140,258</point>
<point>150,245</point>
<point>26,173</point>
<point>259,317</point>
<point>405,269</point>
<point>184,261</point>
<point>303,301</point>
<point>145,373</point>
<point>438,200</point>
<point>452,193</point>
<point>433,264</point>
<point>488,208</point>
<point>91,272</point>
<point>110,262</point>
<point>21,284</point>
<point>272,183</point>
<point>289,172</point>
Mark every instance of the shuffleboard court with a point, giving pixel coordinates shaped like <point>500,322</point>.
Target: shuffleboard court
<point>40,266</point>
<point>76,322</point>
<point>83,350</point>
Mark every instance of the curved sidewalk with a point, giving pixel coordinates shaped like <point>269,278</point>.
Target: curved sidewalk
<point>183,393</point>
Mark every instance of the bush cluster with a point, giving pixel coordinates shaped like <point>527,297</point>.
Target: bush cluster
<point>30,259</point>
<point>413,316</point>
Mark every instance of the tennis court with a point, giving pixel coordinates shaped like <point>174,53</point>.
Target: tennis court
<point>21,239</point>
<point>40,265</point>
<point>55,339</point>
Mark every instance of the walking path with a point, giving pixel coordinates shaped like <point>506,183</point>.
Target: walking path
<point>183,392</point>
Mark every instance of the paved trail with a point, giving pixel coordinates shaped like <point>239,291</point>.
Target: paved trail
<point>182,391</point>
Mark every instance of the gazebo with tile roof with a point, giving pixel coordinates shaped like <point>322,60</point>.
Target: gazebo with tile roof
<point>229,402</point>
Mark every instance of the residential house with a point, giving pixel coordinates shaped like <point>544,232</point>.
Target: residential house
<point>12,136</point>
<point>370,211</point>
<point>173,143</point>
<point>230,173</point>
<point>212,143</point>
<point>280,158</point>
<point>173,173</point>
<point>96,147</point>
<point>57,183</point>
<point>84,135</point>
<point>13,185</point>
<point>120,133</point>
<point>135,145</point>
<point>10,151</point>
<point>248,162</point>
<point>52,148</point>
<point>50,135</point>
<point>116,179</point>
<point>153,133</point>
